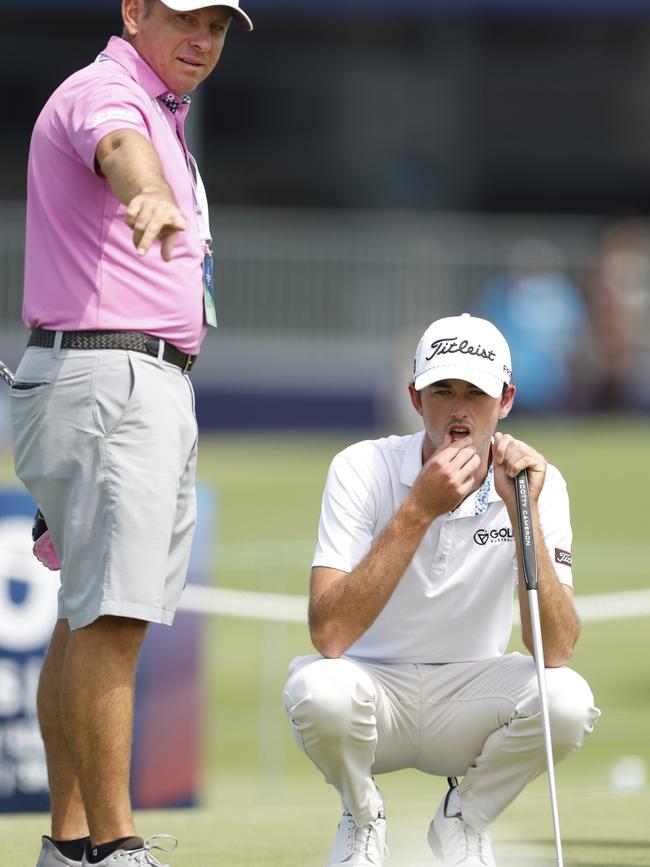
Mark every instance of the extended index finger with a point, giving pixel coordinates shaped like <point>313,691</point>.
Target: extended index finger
<point>159,228</point>
<point>167,245</point>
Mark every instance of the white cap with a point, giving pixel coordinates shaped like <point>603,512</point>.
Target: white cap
<point>463,347</point>
<point>192,5</point>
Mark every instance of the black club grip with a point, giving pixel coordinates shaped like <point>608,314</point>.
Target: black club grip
<point>524,519</point>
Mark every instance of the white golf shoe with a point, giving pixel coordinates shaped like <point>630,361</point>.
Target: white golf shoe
<point>51,857</point>
<point>455,842</point>
<point>360,845</point>
<point>135,857</point>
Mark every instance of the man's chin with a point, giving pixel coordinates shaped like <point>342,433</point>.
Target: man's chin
<point>482,447</point>
<point>186,80</point>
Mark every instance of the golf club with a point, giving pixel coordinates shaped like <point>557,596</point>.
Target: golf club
<point>6,374</point>
<point>530,577</point>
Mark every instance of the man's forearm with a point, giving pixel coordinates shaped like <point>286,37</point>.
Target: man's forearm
<point>559,621</point>
<point>131,166</point>
<point>347,606</point>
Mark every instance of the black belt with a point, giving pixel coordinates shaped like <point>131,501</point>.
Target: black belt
<point>136,341</point>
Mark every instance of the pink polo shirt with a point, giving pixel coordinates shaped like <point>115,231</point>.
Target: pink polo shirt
<point>81,268</point>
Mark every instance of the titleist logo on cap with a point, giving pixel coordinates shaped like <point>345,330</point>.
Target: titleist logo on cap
<point>445,345</point>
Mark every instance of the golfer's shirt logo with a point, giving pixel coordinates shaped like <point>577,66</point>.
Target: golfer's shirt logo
<point>494,537</point>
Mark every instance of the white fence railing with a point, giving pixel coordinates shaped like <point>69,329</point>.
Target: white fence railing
<point>339,272</point>
<point>311,296</point>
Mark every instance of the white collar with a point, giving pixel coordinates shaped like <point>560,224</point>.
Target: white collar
<point>412,463</point>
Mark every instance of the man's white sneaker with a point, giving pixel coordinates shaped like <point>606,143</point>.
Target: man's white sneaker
<point>51,857</point>
<point>359,845</point>
<point>455,842</point>
<point>135,857</point>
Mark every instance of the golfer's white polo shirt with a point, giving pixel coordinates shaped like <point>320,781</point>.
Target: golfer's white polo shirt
<point>454,602</point>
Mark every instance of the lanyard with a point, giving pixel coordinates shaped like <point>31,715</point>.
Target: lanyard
<point>200,201</point>
<point>198,188</point>
<point>202,216</point>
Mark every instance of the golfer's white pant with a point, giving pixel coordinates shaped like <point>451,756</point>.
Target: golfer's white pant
<point>479,720</point>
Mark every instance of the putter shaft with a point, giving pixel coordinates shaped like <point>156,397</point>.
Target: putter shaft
<point>530,577</point>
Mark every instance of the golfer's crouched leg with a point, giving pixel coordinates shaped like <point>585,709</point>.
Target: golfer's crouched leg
<point>571,709</point>
<point>331,704</point>
<point>514,755</point>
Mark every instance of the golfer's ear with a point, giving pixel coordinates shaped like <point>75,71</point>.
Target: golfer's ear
<point>416,400</point>
<point>507,399</point>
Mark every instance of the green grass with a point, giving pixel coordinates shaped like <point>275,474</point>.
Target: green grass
<point>264,804</point>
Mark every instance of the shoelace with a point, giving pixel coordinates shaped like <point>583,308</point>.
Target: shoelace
<point>364,840</point>
<point>144,857</point>
<point>476,843</point>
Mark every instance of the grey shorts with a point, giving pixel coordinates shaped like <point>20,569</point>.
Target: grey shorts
<point>105,441</point>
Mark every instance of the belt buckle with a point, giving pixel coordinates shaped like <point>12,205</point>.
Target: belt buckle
<point>188,364</point>
<point>151,345</point>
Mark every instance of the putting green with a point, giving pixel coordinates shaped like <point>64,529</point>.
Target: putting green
<point>264,805</point>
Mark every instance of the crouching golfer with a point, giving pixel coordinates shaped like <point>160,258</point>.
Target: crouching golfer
<point>411,610</point>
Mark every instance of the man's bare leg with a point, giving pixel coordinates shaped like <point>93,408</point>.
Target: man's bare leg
<point>68,813</point>
<point>97,714</point>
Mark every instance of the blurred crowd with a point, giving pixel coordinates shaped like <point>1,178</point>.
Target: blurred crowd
<point>580,341</point>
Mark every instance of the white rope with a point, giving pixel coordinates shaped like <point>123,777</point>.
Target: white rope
<point>293,609</point>
<point>280,607</point>
<point>243,603</point>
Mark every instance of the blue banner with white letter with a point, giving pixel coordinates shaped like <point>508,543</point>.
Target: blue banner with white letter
<point>28,593</point>
<point>168,721</point>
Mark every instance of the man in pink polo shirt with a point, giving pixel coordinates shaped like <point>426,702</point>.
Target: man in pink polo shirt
<point>118,297</point>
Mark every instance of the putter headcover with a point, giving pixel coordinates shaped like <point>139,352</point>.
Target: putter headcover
<point>44,549</point>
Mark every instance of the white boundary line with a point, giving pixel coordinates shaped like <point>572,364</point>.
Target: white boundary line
<point>244,603</point>
<point>280,607</point>
<point>293,609</point>
<point>614,606</point>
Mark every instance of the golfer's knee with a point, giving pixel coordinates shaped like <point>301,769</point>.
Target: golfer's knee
<point>571,708</point>
<point>332,698</point>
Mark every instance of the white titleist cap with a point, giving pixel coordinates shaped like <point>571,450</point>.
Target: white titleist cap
<point>463,347</point>
<point>191,5</point>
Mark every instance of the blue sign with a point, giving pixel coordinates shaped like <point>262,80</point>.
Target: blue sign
<point>168,733</point>
<point>167,758</point>
<point>28,594</point>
